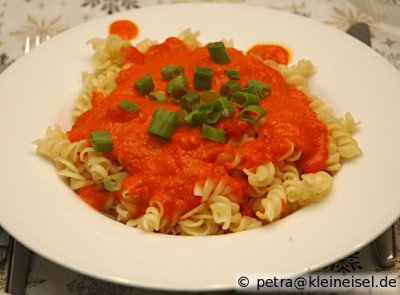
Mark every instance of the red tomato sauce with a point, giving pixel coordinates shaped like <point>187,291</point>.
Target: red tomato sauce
<point>126,29</point>
<point>94,197</point>
<point>269,51</point>
<point>166,171</point>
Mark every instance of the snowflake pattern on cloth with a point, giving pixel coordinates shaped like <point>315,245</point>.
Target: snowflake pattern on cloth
<point>112,6</point>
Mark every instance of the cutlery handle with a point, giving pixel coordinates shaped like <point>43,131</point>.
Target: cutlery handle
<point>18,268</point>
<point>385,244</point>
<point>385,248</point>
<point>362,32</point>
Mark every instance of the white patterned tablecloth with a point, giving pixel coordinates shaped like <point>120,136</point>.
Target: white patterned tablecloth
<point>22,18</point>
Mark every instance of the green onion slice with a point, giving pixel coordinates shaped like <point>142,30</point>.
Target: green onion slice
<point>129,106</point>
<point>163,123</point>
<point>202,78</point>
<point>113,183</point>
<point>145,84</point>
<point>252,114</point>
<point>211,114</point>
<point>189,100</point>
<point>251,90</point>
<point>262,89</point>
<point>206,107</point>
<point>208,96</point>
<point>159,97</point>
<point>196,117</point>
<point>170,72</point>
<point>177,91</point>
<point>212,117</point>
<point>207,115</point>
<point>181,117</point>
<point>213,133</point>
<point>101,141</point>
<point>164,114</point>
<point>233,74</point>
<point>177,81</point>
<point>224,107</point>
<point>243,99</point>
<point>218,52</point>
<point>228,88</point>
<point>177,86</point>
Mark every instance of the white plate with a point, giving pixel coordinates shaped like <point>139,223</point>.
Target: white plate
<point>39,90</point>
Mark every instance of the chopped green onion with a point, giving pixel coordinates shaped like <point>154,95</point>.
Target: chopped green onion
<point>251,90</point>
<point>177,81</point>
<point>181,117</point>
<point>228,88</point>
<point>213,134</point>
<point>101,141</point>
<point>207,115</point>
<point>177,86</point>
<point>252,114</point>
<point>196,117</point>
<point>208,96</point>
<point>261,88</point>
<point>206,107</point>
<point>189,100</point>
<point>218,52</point>
<point>163,123</point>
<point>243,99</point>
<point>145,84</point>
<point>177,91</point>
<point>113,183</point>
<point>165,115</point>
<point>233,74</point>
<point>210,113</point>
<point>224,106</point>
<point>212,117</point>
<point>159,97</point>
<point>129,106</point>
<point>170,72</point>
<point>202,78</point>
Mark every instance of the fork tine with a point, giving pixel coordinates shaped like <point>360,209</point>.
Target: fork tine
<point>37,40</point>
<point>27,45</point>
<point>32,42</point>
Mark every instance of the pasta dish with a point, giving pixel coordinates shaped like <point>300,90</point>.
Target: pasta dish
<point>189,139</point>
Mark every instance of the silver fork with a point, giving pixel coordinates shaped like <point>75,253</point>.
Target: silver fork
<point>32,42</point>
<point>19,257</point>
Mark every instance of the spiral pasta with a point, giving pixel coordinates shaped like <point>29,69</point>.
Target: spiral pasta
<point>148,222</point>
<point>274,203</point>
<point>292,182</point>
<point>107,61</point>
<point>347,145</point>
<point>295,75</point>
<point>315,186</point>
<point>76,161</point>
<point>190,38</point>
<point>216,215</point>
<point>262,176</point>
<point>210,189</point>
<point>144,45</point>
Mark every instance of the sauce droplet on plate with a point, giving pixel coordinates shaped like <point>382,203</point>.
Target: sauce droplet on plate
<point>278,53</point>
<point>125,29</point>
